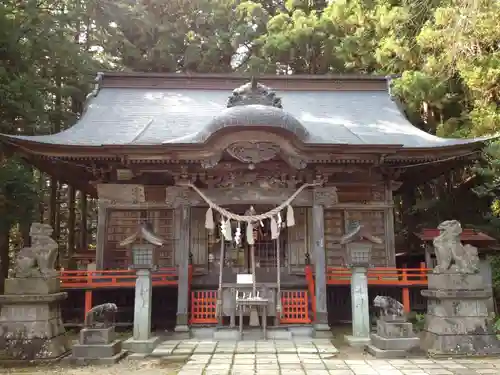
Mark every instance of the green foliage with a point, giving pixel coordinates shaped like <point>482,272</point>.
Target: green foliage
<point>18,193</point>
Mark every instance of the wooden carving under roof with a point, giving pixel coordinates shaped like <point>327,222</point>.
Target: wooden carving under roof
<point>145,232</point>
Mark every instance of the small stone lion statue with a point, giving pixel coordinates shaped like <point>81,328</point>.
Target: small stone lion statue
<point>39,259</point>
<point>101,316</point>
<point>389,306</point>
<point>451,255</point>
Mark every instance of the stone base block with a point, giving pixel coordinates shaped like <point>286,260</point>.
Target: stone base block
<point>464,325</point>
<point>70,360</point>
<point>322,331</point>
<point>469,345</point>
<point>380,353</point>
<point>141,346</point>
<point>355,341</point>
<point>95,351</point>
<point>279,334</point>
<point>33,348</point>
<point>393,343</point>
<point>227,334</point>
<point>456,281</point>
<point>394,329</point>
<point>97,336</point>
<point>297,331</point>
<point>32,286</point>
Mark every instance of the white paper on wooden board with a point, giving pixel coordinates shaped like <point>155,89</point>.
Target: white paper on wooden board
<point>244,278</point>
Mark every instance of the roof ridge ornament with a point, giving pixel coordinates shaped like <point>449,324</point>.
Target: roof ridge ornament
<point>254,92</point>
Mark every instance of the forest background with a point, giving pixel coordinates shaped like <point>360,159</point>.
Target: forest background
<point>445,55</point>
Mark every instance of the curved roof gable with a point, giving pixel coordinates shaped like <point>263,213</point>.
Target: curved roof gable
<point>155,116</point>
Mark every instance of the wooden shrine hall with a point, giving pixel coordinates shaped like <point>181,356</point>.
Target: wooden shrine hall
<point>237,182</point>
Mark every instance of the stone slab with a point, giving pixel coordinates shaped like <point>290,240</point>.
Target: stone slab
<point>13,299</point>
<point>97,336</point>
<point>394,329</point>
<point>401,343</point>
<point>357,342</point>
<point>34,348</point>
<point>227,334</point>
<point>450,325</point>
<point>141,346</point>
<point>381,353</point>
<point>94,351</point>
<point>470,345</point>
<point>456,294</point>
<point>458,307</point>
<point>32,286</point>
<point>322,331</point>
<point>455,281</point>
<point>70,360</point>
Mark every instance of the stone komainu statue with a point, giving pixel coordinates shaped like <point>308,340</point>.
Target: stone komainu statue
<point>389,306</point>
<point>39,259</point>
<point>451,254</point>
<point>101,316</point>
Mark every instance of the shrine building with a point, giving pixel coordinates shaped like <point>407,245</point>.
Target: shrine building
<point>226,176</point>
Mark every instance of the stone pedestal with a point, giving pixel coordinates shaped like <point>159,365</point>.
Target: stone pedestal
<point>360,312</point>
<point>31,327</point>
<point>142,342</point>
<point>457,320</point>
<point>97,346</point>
<point>394,338</point>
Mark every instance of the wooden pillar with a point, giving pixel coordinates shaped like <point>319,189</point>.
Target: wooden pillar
<point>318,233</point>
<point>102,215</point>
<point>182,216</point>
<point>390,243</point>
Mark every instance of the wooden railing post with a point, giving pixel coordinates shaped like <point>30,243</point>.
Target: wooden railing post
<point>423,271</point>
<point>311,287</point>
<point>406,291</point>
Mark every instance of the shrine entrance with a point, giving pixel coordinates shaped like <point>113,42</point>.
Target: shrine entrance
<point>240,257</point>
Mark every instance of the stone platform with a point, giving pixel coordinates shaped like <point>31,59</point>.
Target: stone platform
<point>31,326</point>
<point>96,346</point>
<point>457,320</point>
<point>394,339</point>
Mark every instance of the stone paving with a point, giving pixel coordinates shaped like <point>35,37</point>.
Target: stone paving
<point>300,357</point>
<point>305,357</point>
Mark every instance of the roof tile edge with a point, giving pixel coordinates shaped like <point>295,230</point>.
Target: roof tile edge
<point>217,81</point>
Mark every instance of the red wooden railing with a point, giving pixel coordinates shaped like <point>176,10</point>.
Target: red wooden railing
<point>385,276</point>
<point>90,280</point>
<point>311,288</point>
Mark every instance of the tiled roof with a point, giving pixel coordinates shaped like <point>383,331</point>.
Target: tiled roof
<point>149,116</point>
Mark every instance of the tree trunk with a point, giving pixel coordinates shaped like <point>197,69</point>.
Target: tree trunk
<point>4,256</point>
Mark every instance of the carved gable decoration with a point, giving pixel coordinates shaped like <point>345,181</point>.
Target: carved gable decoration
<point>253,152</point>
<point>254,93</point>
<point>129,193</point>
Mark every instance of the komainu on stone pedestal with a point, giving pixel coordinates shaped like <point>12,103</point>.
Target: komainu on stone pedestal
<point>31,327</point>
<point>97,343</point>
<point>395,336</point>
<point>457,320</point>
